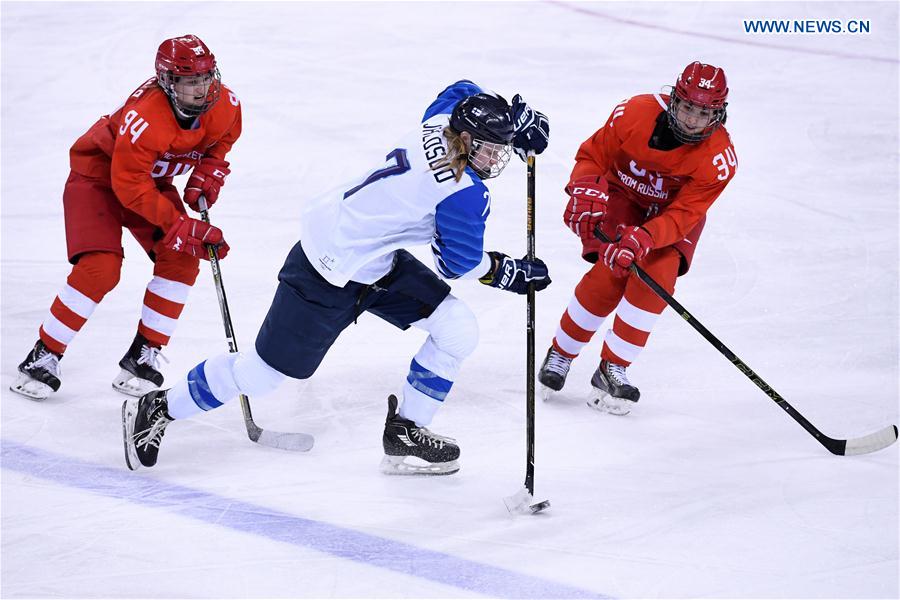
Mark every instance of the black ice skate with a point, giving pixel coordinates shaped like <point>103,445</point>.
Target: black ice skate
<point>144,421</point>
<point>613,392</point>
<point>413,450</point>
<point>140,369</point>
<point>38,373</point>
<point>553,372</point>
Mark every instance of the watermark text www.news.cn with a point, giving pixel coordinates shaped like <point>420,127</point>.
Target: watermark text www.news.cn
<point>808,26</point>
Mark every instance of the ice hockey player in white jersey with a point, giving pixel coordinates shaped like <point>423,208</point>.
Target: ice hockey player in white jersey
<point>351,259</point>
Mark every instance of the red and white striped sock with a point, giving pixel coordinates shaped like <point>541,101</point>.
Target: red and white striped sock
<point>576,328</point>
<point>163,302</point>
<point>629,333</point>
<point>69,312</point>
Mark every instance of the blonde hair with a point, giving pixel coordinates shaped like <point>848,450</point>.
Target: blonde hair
<point>457,156</point>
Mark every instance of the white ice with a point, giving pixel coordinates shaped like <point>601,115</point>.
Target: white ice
<point>708,489</point>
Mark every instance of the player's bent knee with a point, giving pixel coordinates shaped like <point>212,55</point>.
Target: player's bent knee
<point>95,274</point>
<point>454,328</point>
<point>254,376</point>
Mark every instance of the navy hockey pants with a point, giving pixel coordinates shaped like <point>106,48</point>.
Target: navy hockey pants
<point>308,313</point>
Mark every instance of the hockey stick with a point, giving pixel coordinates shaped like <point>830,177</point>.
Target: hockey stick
<point>523,500</point>
<point>299,442</point>
<point>861,445</point>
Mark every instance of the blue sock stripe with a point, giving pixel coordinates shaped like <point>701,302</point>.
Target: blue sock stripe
<point>428,383</point>
<point>199,388</point>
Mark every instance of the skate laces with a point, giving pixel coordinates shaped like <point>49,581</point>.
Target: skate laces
<point>617,374</point>
<point>152,436</point>
<point>150,356</point>
<point>424,435</point>
<point>558,363</point>
<point>46,360</point>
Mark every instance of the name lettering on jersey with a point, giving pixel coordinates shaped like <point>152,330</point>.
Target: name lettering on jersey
<point>192,155</point>
<point>136,125</point>
<point>164,168</point>
<point>436,151</point>
<point>652,185</point>
<point>652,189</point>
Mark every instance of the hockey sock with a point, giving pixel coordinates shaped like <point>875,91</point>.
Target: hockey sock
<point>163,302</point>
<point>219,380</point>
<point>639,310</point>
<point>91,278</point>
<point>423,394</point>
<point>576,328</point>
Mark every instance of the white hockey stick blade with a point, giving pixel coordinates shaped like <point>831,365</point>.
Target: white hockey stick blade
<point>295,442</point>
<point>872,442</point>
<point>522,503</point>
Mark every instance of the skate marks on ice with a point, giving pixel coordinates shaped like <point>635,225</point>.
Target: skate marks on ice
<point>282,527</point>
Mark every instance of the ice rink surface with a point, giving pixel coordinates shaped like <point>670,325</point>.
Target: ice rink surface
<point>706,490</point>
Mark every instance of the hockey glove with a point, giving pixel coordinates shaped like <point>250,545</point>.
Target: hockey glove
<point>632,245</point>
<point>588,203</point>
<point>206,180</point>
<point>514,274</point>
<point>532,128</point>
<point>192,236</point>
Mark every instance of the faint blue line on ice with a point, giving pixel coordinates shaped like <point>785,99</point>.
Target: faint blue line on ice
<point>282,527</point>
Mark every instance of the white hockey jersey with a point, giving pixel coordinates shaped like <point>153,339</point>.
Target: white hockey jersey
<point>353,232</point>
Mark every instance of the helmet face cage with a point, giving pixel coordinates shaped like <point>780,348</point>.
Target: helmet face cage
<point>488,159</point>
<point>699,87</point>
<point>681,133</point>
<point>485,117</point>
<point>184,101</point>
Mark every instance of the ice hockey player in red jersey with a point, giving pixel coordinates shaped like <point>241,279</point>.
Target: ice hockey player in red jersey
<point>647,178</point>
<point>122,171</point>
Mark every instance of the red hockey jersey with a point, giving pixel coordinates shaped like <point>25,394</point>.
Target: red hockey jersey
<point>678,185</point>
<point>142,141</point>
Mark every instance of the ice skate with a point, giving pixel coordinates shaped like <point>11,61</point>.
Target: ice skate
<point>413,450</point>
<point>553,372</point>
<point>38,373</point>
<point>140,369</point>
<point>144,421</point>
<point>613,393</point>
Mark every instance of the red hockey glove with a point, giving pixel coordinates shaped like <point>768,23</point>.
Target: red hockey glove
<point>587,206</point>
<point>206,180</point>
<point>634,243</point>
<point>192,237</point>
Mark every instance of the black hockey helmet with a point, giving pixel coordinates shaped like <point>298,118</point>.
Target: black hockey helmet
<point>486,117</point>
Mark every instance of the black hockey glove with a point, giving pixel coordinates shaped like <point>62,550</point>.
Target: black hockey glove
<point>514,274</point>
<point>532,128</point>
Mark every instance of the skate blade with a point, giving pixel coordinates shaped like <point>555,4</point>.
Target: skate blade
<point>31,388</point>
<point>545,392</point>
<point>603,402</point>
<point>398,465</point>
<point>522,503</point>
<point>129,411</point>
<point>130,385</point>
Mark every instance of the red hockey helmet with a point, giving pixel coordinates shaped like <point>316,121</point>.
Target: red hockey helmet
<point>697,106</point>
<point>186,70</point>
